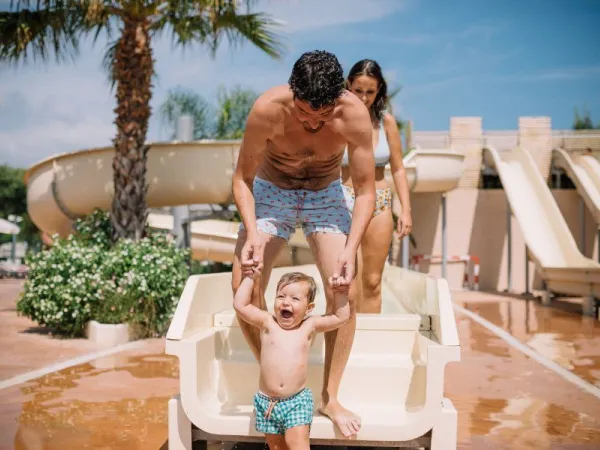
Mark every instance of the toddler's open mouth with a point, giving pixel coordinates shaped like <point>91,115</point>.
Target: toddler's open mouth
<point>286,313</point>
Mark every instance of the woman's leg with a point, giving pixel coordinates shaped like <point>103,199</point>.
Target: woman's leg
<point>375,247</point>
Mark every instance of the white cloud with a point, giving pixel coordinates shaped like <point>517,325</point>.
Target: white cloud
<point>24,146</point>
<point>50,109</point>
<point>301,15</point>
<point>54,109</point>
<point>553,74</point>
<point>565,73</point>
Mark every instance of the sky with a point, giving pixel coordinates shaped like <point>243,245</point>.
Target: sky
<point>494,59</point>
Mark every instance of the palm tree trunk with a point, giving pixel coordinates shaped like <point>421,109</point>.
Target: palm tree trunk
<point>133,70</point>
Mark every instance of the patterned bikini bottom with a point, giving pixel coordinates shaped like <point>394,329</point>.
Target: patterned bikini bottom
<point>383,200</point>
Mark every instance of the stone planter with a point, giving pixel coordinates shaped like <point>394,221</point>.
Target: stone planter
<point>108,335</point>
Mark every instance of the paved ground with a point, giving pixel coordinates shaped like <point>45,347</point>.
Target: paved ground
<point>505,399</point>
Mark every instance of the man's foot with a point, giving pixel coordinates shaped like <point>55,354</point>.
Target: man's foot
<point>345,420</point>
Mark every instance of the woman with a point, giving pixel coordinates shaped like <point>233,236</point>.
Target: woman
<point>366,81</point>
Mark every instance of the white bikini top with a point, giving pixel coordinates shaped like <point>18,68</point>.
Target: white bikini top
<point>381,153</point>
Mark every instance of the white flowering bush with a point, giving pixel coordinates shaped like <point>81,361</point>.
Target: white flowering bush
<point>144,280</point>
<point>63,286</point>
<point>83,278</point>
<point>94,229</point>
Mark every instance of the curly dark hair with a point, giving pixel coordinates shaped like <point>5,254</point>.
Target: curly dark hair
<point>317,78</point>
<point>370,68</point>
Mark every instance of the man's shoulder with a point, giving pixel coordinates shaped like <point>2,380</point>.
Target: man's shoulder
<point>354,117</point>
<point>353,108</point>
<point>272,102</point>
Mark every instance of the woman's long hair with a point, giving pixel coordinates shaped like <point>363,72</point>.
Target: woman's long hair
<point>371,68</point>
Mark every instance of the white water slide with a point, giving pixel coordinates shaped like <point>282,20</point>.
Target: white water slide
<point>70,185</point>
<point>584,170</point>
<point>550,243</point>
<point>396,371</point>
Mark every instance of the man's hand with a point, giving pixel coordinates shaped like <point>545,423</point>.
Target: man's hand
<point>344,272</point>
<point>252,256</point>
<point>404,226</point>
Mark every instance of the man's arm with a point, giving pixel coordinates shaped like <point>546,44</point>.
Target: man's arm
<point>340,316</point>
<point>362,172</point>
<point>243,306</point>
<point>258,130</point>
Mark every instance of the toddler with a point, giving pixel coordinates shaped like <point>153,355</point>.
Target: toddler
<point>283,404</point>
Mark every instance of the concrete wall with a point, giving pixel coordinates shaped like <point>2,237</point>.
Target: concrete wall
<point>535,134</point>
<point>466,137</point>
<point>476,225</point>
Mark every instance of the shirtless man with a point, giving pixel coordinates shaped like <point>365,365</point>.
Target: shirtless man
<point>288,174</point>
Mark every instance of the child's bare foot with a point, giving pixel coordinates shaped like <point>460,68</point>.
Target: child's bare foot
<point>345,420</point>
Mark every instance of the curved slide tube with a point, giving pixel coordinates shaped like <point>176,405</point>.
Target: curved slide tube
<point>549,241</point>
<point>394,378</point>
<point>584,171</point>
<point>395,375</point>
<point>432,170</point>
<point>70,185</point>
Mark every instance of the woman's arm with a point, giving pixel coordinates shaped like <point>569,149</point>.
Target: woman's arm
<point>398,173</point>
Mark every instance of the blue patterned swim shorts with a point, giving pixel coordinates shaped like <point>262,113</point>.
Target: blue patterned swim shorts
<point>280,211</point>
<point>275,415</point>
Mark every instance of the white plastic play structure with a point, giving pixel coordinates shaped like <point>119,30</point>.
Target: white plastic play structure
<point>394,378</point>
<point>395,375</point>
<point>550,244</point>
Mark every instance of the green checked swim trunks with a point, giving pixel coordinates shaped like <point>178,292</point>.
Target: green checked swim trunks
<point>275,415</point>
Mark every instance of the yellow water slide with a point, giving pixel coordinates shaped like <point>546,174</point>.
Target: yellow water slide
<point>549,241</point>
<point>70,185</point>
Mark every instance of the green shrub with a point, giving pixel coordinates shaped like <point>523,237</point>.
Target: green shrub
<point>63,286</point>
<point>94,229</point>
<point>144,280</point>
<point>83,278</point>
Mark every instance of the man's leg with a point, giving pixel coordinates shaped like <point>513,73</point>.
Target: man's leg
<point>272,246</point>
<point>326,247</point>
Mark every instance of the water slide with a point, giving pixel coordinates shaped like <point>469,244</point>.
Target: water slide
<point>66,186</point>
<point>394,377</point>
<point>550,243</point>
<point>584,170</point>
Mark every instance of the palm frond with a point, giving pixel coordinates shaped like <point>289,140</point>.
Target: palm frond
<point>207,21</point>
<point>41,28</point>
<point>395,91</point>
<point>183,101</point>
<point>108,62</point>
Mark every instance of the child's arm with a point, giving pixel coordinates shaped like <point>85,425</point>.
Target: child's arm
<point>242,303</point>
<point>340,316</point>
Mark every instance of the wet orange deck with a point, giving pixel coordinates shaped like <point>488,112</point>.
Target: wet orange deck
<point>505,400</point>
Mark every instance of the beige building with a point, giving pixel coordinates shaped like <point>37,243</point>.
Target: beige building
<point>477,210</point>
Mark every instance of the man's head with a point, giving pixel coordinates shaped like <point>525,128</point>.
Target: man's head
<point>294,299</point>
<point>317,81</point>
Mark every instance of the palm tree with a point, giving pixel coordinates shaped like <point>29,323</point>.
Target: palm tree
<point>228,118</point>
<point>181,101</point>
<point>44,26</point>
<point>233,110</point>
<point>393,93</point>
<point>583,122</point>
